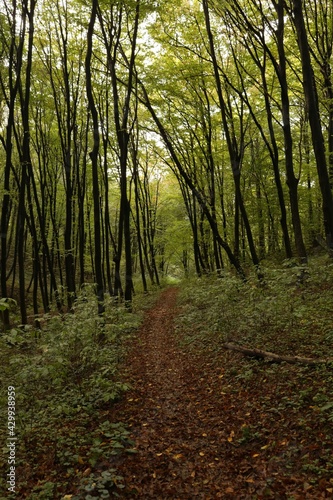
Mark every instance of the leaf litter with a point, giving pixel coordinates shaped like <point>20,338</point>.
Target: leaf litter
<point>209,424</point>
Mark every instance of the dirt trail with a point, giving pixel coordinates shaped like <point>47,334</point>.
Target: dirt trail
<point>202,433</point>
<point>175,416</point>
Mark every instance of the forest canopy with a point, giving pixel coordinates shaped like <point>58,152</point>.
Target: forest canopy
<point>142,139</point>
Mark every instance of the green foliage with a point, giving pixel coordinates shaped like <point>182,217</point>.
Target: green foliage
<point>7,303</point>
<point>249,433</point>
<point>101,485</point>
<point>43,491</point>
<point>288,311</point>
<point>288,314</point>
<point>66,379</point>
<point>69,359</point>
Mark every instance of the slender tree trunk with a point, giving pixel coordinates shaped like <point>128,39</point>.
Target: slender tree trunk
<point>310,92</point>
<point>121,123</point>
<point>81,192</point>
<point>244,23</point>
<point>232,258</point>
<point>261,224</point>
<point>25,160</point>
<point>41,238</point>
<point>137,214</point>
<point>105,135</point>
<point>235,152</point>
<point>236,227</point>
<point>94,163</point>
<point>292,181</point>
<point>196,249</point>
<point>14,74</point>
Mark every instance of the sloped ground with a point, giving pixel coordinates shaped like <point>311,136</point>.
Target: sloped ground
<point>204,429</point>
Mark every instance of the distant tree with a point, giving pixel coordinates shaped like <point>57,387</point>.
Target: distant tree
<point>199,196</point>
<point>235,147</point>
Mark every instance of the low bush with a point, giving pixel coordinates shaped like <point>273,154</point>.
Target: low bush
<point>66,379</point>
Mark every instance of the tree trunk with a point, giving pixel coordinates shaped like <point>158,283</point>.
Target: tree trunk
<point>94,164</point>
<point>14,73</point>
<point>292,181</point>
<point>310,92</point>
<point>25,160</point>
<point>121,122</point>
<point>232,258</point>
<point>137,214</point>
<point>235,151</point>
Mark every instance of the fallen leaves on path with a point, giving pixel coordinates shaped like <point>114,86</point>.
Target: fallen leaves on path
<point>193,438</point>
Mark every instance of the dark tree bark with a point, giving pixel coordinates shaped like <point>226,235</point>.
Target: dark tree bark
<point>208,133</point>
<point>311,96</point>
<point>25,161</point>
<point>121,120</point>
<point>14,76</point>
<point>65,105</point>
<point>235,151</point>
<point>319,23</point>
<point>94,163</point>
<point>143,200</point>
<point>191,209</point>
<point>240,22</point>
<point>67,152</point>
<point>137,216</point>
<point>292,181</point>
<point>202,202</point>
<point>138,224</point>
<point>276,358</point>
<point>41,146</point>
<point>261,224</point>
<point>150,209</point>
<point>81,175</point>
<point>108,237</point>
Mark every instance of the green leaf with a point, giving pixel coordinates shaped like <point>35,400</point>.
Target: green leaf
<point>327,406</point>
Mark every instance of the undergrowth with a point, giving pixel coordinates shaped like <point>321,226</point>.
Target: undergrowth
<point>289,310</point>
<point>287,410</point>
<point>66,379</point>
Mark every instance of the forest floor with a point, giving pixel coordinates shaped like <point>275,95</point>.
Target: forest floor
<point>162,410</point>
<point>200,433</point>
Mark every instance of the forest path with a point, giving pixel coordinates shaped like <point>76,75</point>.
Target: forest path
<point>176,414</point>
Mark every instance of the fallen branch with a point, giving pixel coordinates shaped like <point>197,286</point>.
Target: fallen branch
<point>277,358</point>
